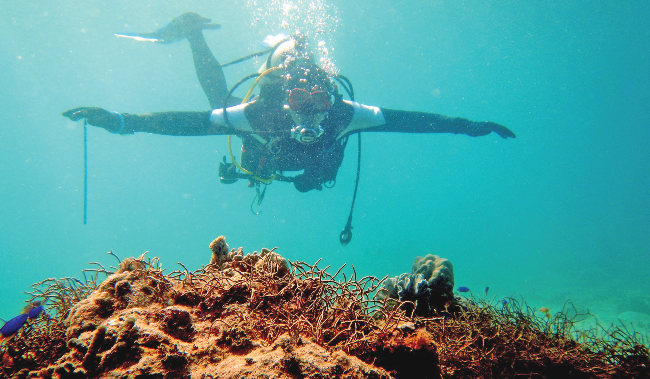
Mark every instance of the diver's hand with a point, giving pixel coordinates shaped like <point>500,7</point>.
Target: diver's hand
<point>305,183</point>
<point>477,129</point>
<point>108,120</point>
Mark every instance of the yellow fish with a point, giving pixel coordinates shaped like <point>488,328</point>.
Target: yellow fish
<point>544,309</point>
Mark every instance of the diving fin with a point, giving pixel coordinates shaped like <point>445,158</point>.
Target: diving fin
<point>147,37</point>
<point>177,30</point>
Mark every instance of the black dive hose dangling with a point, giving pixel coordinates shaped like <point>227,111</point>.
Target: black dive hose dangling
<point>86,170</point>
<point>346,234</point>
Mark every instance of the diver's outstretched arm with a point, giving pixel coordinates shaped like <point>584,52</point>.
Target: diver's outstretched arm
<point>374,119</point>
<point>166,123</point>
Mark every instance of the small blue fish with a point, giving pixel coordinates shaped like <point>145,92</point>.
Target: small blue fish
<point>35,312</point>
<point>504,302</point>
<point>463,289</point>
<point>485,291</point>
<point>13,326</point>
<point>31,311</point>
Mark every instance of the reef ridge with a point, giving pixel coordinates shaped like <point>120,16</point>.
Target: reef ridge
<point>260,316</point>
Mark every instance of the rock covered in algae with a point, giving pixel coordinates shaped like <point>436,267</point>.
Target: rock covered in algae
<point>429,286</point>
<point>249,318</point>
<point>209,324</point>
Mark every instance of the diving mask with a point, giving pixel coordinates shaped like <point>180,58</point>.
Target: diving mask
<point>302,101</point>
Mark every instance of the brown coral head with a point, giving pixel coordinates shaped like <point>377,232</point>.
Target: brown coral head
<point>237,338</point>
<point>414,356</point>
<point>219,249</point>
<point>104,307</point>
<point>274,262</point>
<point>188,298</point>
<point>177,323</point>
<point>131,264</point>
<point>122,288</point>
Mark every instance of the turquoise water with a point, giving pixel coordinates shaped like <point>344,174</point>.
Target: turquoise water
<point>561,212</point>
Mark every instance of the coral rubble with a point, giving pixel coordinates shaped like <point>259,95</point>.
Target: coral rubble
<point>259,316</point>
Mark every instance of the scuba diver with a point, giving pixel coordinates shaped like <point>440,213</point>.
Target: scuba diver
<point>298,122</point>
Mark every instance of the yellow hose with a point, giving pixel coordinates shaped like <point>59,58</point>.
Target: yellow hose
<point>232,157</point>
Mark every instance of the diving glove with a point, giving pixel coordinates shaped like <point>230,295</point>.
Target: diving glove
<point>111,121</point>
<point>478,128</point>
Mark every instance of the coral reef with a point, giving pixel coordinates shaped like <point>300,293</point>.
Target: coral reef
<point>239,316</point>
<point>429,286</point>
<point>220,251</point>
<point>259,316</point>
